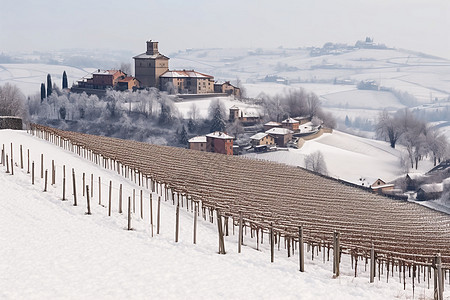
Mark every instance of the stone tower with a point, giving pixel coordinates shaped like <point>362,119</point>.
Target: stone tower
<point>150,65</point>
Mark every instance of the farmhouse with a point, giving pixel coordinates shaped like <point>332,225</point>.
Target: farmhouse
<point>270,125</point>
<point>381,187</point>
<point>245,117</point>
<point>227,88</point>
<point>150,65</point>
<point>291,124</point>
<point>100,80</point>
<point>281,135</point>
<point>219,142</point>
<point>197,143</point>
<point>187,82</point>
<point>429,192</point>
<point>262,138</point>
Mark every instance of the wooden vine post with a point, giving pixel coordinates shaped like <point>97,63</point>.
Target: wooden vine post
<point>74,188</point>
<point>32,173</point>
<point>336,253</point>
<point>151,213</point>
<point>45,185</point>
<point>109,202</point>
<point>272,244</point>
<point>240,237</point>
<point>301,249</point>
<point>177,221</point>
<point>120,199</point>
<point>195,221</point>
<point>21,157</point>
<point>53,172</point>
<point>88,201</point>
<point>129,213</point>
<point>42,165</point>
<point>372,264</point>
<point>28,161</point>
<point>7,164</point>
<point>64,183</point>
<point>438,278</point>
<point>158,216</point>
<point>12,161</point>
<point>220,230</point>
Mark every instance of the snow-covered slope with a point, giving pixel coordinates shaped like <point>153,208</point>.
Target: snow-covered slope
<point>51,250</point>
<point>347,157</point>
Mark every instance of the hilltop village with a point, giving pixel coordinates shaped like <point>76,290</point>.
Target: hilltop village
<point>152,71</point>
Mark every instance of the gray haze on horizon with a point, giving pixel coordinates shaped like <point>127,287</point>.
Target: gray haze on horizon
<point>52,25</point>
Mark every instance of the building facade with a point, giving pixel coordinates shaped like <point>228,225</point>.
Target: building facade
<point>149,66</point>
<point>227,88</point>
<point>262,138</point>
<point>219,142</point>
<point>187,82</point>
<point>197,143</point>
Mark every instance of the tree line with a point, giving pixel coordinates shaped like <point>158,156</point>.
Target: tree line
<point>415,135</point>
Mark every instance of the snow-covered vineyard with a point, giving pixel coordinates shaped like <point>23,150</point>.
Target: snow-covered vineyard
<point>271,201</point>
<point>69,251</point>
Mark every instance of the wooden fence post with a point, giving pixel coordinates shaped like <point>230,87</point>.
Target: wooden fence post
<point>240,237</point>
<point>109,203</point>
<point>301,249</point>
<point>195,221</point>
<point>88,201</point>
<point>74,188</point>
<point>158,216</point>
<point>177,221</point>
<point>129,213</point>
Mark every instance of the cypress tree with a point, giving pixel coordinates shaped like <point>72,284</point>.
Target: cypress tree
<point>64,80</point>
<point>183,136</point>
<point>42,92</point>
<point>49,85</point>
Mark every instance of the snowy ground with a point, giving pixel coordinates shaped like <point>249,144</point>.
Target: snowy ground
<point>51,249</point>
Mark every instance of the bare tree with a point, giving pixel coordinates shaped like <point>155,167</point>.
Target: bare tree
<point>315,162</point>
<point>194,111</point>
<point>312,104</point>
<point>126,68</point>
<point>12,101</point>
<point>388,128</point>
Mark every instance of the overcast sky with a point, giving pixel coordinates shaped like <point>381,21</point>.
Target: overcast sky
<point>421,25</point>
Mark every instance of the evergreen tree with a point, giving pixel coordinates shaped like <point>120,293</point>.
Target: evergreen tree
<point>49,85</point>
<point>348,123</point>
<point>191,125</point>
<point>62,112</point>
<point>64,80</point>
<point>217,122</point>
<point>183,136</point>
<point>42,92</point>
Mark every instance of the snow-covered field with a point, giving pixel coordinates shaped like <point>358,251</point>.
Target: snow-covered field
<point>28,77</point>
<point>185,107</point>
<point>51,250</point>
<point>347,157</point>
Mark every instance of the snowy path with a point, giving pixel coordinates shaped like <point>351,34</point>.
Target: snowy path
<point>51,249</point>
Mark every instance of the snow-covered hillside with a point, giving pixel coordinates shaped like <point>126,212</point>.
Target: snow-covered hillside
<point>28,77</point>
<point>348,157</point>
<point>50,249</point>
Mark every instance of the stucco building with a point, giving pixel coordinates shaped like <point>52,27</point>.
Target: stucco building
<point>187,82</point>
<point>149,66</point>
<point>197,143</point>
<point>219,142</point>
